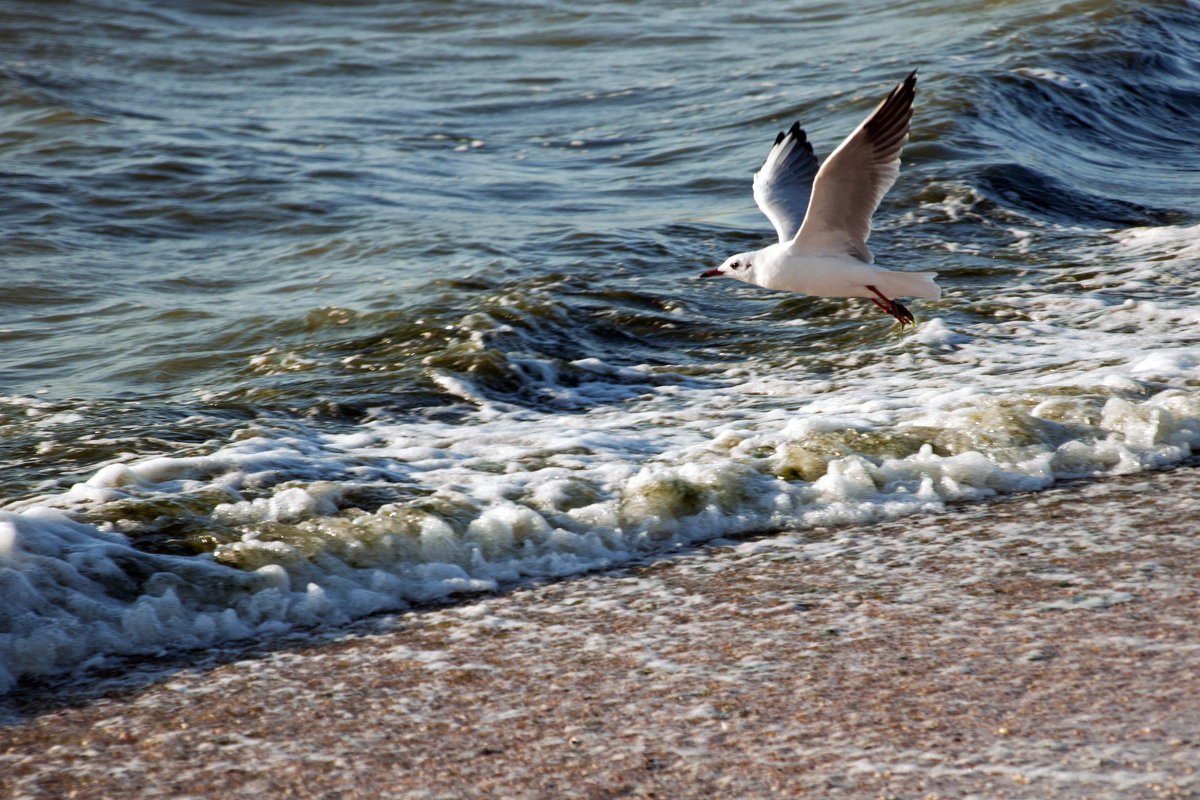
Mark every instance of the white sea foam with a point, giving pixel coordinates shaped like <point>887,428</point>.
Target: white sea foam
<point>1074,385</point>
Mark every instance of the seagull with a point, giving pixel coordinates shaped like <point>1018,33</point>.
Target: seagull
<point>823,215</point>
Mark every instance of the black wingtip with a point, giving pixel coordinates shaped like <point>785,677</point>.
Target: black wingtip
<point>796,132</point>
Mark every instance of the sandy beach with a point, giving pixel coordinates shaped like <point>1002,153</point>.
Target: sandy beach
<point>1043,646</point>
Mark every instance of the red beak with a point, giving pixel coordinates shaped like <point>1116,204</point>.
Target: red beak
<point>712,273</point>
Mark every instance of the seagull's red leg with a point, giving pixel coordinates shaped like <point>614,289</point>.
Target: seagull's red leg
<point>896,309</point>
<point>880,305</point>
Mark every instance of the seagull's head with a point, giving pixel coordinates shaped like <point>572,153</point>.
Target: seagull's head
<point>740,266</point>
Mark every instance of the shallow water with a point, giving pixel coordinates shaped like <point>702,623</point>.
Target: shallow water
<point>314,310</point>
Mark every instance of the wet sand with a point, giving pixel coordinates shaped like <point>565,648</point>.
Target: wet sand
<point>1044,646</point>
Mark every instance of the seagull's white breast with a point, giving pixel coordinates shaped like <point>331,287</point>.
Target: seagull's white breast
<point>819,276</point>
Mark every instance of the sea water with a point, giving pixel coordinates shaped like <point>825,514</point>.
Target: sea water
<point>317,310</point>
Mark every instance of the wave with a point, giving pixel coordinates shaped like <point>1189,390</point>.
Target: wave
<point>312,422</point>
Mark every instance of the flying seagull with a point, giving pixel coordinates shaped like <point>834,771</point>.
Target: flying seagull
<point>823,215</point>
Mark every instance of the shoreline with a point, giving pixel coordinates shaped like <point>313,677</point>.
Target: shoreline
<point>1045,645</point>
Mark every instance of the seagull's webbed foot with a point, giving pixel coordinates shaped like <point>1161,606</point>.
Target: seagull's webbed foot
<point>902,314</point>
<point>893,307</point>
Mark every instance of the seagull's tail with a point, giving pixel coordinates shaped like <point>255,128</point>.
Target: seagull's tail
<point>908,284</point>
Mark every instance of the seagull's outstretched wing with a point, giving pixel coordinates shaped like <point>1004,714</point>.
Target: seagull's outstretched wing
<point>853,180</point>
<point>784,181</point>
